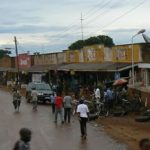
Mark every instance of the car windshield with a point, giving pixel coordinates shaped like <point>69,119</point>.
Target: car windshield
<point>42,87</point>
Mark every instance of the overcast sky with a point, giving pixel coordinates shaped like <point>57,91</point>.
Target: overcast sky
<point>52,25</point>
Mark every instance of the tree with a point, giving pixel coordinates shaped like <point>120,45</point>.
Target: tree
<point>92,41</point>
<point>101,39</point>
<point>106,40</point>
<point>4,53</point>
<point>77,45</point>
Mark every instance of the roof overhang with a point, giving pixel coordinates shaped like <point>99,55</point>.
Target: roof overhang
<point>144,65</point>
<point>96,67</point>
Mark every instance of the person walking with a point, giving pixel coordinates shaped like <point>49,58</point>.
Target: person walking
<point>24,142</point>
<point>67,107</point>
<point>74,104</point>
<point>34,96</point>
<point>16,99</point>
<point>52,98</point>
<point>97,94</point>
<point>83,112</point>
<point>59,107</point>
<point>109,100</point>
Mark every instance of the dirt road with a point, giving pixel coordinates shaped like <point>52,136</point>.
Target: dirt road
<point>46,134</point>
<point>126,129</point>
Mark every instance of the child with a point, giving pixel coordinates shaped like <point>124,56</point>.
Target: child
<point>25,138</point>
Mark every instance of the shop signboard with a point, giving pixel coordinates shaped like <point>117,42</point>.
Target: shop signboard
<point>24,61</point>
<point>94,53</point>
<point>91,54</point>
<point>123,53</point>
<point>36,77</point>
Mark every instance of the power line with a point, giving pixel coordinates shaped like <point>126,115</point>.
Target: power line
<point>71,26</point>
<point>124,14</point>
<point>78,27</point>
<point>127,12</point>
<point>90,10</point>
<point>100,8</point>
<point>105,12</point>
<point>89,22</point>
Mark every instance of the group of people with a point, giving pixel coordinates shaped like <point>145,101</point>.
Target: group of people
<point>17,99</point>
<point>109,97</point>
<point>64,107</point>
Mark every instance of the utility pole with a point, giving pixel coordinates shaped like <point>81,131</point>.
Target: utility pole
<point>82,36</point>
<point>17,59</point>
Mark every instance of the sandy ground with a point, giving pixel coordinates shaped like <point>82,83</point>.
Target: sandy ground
<point>126,130</point>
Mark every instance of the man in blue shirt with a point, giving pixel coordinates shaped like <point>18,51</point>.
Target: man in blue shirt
<point>52,98</point>
<point>109,100</point>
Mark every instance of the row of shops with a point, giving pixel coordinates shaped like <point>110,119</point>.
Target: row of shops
<point>87,67</point>
<point>85,74</point>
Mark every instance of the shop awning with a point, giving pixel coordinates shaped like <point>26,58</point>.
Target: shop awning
<point>105,67</point>
<point>2,69</point>
<point>42,68</point>
<point>144,65</point>
<point>32,69</point>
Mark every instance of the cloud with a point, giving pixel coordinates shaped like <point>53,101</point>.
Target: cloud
<point>44,22</point>
<point>29,29</point>
<point>123,36</point>
<point>121,30</point>
<point>30,47</point>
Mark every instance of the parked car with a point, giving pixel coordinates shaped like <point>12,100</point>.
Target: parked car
<point>44,91</point>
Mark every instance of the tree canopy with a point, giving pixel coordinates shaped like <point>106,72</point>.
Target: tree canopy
<point>4,53</point>
<point>101,39</point>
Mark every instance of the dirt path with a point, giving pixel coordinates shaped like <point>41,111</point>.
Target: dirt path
<point>123,129</point>
<point>46,134</point>
<point>126,130</point>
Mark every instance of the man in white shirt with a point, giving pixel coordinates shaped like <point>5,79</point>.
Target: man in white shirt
<point>83,111</point>
<point>34,95</point>
<point>97,93</point>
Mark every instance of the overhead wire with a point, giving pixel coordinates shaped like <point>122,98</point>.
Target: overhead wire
<point>73,27</point>
<point>97,10</point>
<point>121,16</point>
<point>99,15</point>
<point>124,14</point>
<point>105,12</point>
<point>89,19</point>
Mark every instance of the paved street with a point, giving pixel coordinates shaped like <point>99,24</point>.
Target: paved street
<point>47,135</point>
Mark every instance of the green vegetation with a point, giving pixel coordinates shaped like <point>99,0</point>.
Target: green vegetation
<point>4,53</point>
<point>101,39</point>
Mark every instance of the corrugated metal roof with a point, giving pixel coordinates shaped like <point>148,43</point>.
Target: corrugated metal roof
<point>42,68</point>
<point>108,67</point>
<point>3,69</point>
<point>103,67</point>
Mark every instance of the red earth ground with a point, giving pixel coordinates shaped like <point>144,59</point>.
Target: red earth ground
<point>126,130</point>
